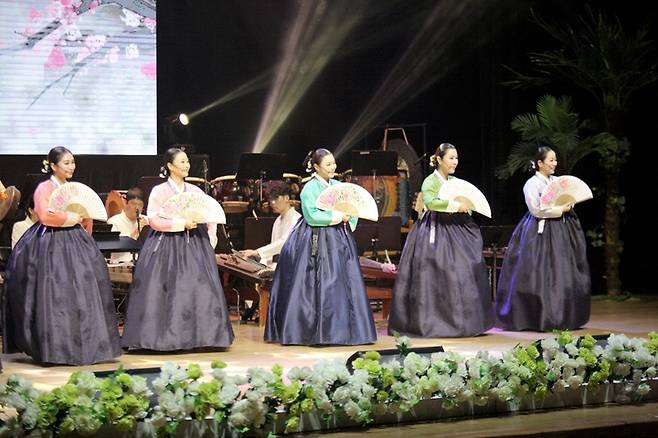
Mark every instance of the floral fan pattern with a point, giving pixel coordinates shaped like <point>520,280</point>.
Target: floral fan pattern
<point>77,198</point>
<point>565,190</point>
<point>193,206</point>
<point>348,198</point>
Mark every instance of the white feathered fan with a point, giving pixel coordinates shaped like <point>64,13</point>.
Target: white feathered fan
<point>350,199</point>
<point>77,198</point>
<point>195,206</point>
<point>456,189</point>
<point>564,190</point>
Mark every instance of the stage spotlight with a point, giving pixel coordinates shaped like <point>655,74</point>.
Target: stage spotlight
<point>182,117</point>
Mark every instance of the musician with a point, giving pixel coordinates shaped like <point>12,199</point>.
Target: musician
<point>21,227</point>
<point>129,222</point>
<point>176,299</point>
<point>544,281</point>
<point>60,307</point>
<point>441,289</point>
<point>286,219</point>
<point>318,295</point>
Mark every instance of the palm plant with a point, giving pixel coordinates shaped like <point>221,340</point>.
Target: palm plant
<point>610,65</point>
<point>556,124</point>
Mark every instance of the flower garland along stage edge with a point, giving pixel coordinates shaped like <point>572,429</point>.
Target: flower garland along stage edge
<point>328,395</point>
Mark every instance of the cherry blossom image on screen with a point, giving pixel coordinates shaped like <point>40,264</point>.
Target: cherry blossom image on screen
<point>80,73</point>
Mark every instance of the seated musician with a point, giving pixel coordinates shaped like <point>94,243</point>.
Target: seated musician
<point>288,217</point>
<point>21,227</point>
<point>129,222</point>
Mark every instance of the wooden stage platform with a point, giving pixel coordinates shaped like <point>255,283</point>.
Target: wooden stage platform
<point>633,317</point>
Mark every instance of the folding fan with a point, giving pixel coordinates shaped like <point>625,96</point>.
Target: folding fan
<point>456,189</point>
<point>563,190</point>
<point>77,198</point>
<point>350,199</point>
<point>193,206</point>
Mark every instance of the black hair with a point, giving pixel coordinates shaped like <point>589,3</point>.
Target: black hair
<point>135,193</point>
<point>169,157</point>
<point>540,155</point>
<point>281,190</point>
<point>314,157</point>
<point>54,156</point>
<point>440,152</point>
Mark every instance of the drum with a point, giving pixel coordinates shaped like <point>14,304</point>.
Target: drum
<point>345,176</point>
<point>233,196</point>
<point>199,182</point>
<point>390,192</point>
<point>115,202</point>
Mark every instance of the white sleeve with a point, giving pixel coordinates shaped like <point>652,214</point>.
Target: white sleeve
<point>532,195</point>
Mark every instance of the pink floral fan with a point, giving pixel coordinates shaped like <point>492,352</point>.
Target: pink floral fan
<point>565,190</point>
<point>77,198</point>
<point>350,199</point>
<point>193,206</point>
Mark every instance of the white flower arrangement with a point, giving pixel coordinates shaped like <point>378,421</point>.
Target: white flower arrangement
<point>253,402</point>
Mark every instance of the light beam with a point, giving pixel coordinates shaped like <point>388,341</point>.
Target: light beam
<point>319,29</point>
<point>450,24</point>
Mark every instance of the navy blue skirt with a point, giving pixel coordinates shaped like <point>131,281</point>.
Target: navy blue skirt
<point>544,282</point>
<point>442,286</point>
<point>318,295</point>
<point>59,305</point>
<point>176,300</point>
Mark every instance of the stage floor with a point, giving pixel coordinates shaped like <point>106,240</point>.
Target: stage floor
<point>633,317</point>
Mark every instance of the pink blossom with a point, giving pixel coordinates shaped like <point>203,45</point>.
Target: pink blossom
<point>35,15</point>
<point>65,2</point>
<point>95,42</point>
<point>56,59</point>
<point>52,10</point>
<point>149,70</point>
<point>564,183</point>
<point>150,24</point>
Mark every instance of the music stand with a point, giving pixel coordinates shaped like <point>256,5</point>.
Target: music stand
<point>384,234</point>
<point>382,163</point>
<point>260,167</point>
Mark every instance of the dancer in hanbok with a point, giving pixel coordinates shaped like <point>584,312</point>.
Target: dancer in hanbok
<point>318,294</point>
<point>176,300</point>
<point>442,288</point>
<point>59,296</point>
<point>544,282</point>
